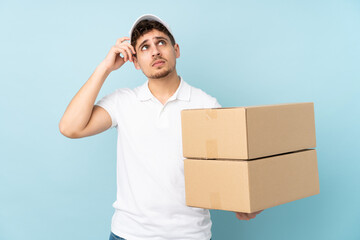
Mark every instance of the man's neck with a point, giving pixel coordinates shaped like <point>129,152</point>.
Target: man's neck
<point>164,88</point>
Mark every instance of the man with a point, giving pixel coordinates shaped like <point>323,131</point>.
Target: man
<point>150,200</point>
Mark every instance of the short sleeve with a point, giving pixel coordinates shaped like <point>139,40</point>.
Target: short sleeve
<point>110,104</point>
<point>216,104</point>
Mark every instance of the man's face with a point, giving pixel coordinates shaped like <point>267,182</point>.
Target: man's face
<point>155,55</point>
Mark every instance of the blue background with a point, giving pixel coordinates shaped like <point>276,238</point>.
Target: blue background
<point>242,52</point>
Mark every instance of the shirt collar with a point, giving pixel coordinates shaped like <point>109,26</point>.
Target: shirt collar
<point>182,93</point>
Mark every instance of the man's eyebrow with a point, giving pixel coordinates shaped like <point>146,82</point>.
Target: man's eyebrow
<point>162,38</point>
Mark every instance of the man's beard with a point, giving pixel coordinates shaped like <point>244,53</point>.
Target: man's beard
<point>161,74</point>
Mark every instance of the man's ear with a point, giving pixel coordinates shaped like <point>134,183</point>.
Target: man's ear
<point>177,50</point>
<point>136,64</point>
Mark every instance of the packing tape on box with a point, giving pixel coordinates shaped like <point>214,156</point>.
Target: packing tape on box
<point>211,148</point>
<point>215,202</point>
<point>211,114</point>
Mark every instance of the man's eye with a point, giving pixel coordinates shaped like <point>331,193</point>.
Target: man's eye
<point>144,47</point>
<point>161,42</point>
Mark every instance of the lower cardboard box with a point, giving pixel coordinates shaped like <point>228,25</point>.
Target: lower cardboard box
<point>250,186</point>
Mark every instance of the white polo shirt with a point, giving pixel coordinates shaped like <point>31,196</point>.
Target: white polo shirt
<point>150,200</point>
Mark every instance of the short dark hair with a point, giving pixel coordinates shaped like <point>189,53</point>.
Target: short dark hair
<point>146,26</point>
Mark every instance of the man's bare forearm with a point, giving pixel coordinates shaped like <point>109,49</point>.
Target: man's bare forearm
<point>78,112</point>
<point>80,109</point>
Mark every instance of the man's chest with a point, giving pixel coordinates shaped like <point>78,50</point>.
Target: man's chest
<point>148,124</point>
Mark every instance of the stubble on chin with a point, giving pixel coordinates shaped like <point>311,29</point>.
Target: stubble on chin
<point>161,74</point>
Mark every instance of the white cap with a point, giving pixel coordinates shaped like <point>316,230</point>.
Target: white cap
<point>150,17</point>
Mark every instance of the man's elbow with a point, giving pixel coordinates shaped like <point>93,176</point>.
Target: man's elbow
<point>67,133</point>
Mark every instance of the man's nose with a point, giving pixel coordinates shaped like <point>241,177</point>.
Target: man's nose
<point>155,51</point>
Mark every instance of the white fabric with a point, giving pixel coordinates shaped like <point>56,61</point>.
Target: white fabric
<point>150,200</point>
<point>150,17</point>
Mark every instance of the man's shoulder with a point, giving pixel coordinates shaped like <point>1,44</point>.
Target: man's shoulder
<point>118,96</point>
<point>199,93</point>
<point>199,96</point>
<point>122,92</point>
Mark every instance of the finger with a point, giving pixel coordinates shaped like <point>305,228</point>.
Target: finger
<point>127,51</point>
<point>126,47</point>
<point>242,216</point>
<point>247,216</point>
<point>124,54</point>
<point>133,53</point>
<point>120,40</point>
<point>116,49</point>
<point>131,49</point>
<point>256,213</point>
<point>238,215</point>
<point>119,51</point>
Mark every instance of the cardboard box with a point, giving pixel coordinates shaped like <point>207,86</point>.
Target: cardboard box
<point>250,186</point>
<point>247,132</point>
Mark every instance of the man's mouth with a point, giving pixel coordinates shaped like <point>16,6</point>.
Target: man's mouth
<point>158,63</point>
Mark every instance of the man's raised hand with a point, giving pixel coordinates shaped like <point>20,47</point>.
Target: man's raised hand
<point>114,60</point>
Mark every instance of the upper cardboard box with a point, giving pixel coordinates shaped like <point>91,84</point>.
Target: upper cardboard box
<point>247,132</point>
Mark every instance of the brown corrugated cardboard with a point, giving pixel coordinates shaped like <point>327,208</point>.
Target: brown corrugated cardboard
<point>250,186</point>
<point>247,132</point>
